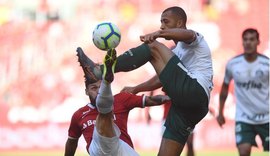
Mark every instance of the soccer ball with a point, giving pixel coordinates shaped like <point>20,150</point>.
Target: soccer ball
<point>106,36</point>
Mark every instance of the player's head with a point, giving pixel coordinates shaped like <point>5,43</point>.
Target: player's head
<point>173,17</point>
<point>91,89</point>
<point>251,40</point>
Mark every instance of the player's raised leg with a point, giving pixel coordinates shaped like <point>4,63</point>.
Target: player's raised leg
<point>105,99</point>
<point>157,53</point>
<point>106,133</point>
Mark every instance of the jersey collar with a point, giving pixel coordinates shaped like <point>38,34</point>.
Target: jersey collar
<point>91,106</point>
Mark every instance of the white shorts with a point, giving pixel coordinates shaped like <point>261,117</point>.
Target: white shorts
<point>104,146</point>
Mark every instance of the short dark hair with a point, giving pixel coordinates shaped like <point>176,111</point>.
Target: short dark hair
<point>178,11</point>
<point>251,30</point>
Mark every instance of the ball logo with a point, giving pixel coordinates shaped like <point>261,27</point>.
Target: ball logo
<point>106,36</point>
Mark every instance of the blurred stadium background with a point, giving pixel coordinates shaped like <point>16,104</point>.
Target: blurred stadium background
<point>41,83</point>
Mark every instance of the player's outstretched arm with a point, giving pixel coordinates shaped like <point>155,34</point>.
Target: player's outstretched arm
<point>176,34</point>
<point>156,100</point>
<point>71,146</point>
<point>149,85</point>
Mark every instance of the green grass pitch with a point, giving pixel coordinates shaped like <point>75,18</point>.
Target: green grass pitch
<point>142,153</point>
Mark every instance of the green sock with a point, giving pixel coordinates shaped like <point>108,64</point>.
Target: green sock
<point>132,59</point>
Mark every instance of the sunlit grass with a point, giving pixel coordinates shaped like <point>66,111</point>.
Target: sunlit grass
<point>142,153</point>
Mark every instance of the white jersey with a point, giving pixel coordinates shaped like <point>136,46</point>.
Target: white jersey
<point>251,85</point>
<point>196,57</point>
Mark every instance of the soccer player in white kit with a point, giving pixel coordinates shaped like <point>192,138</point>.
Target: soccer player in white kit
<point>250,72</point>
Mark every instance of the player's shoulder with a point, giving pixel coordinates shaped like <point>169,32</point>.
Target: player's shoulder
<point>263,60</point>
<point>263,57</point>
<point>236,59</point>
<point>81,110</point>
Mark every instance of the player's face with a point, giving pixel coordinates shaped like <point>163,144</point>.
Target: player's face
<point>169,20</point>
<point>92,91</point>
<point>250,43</point>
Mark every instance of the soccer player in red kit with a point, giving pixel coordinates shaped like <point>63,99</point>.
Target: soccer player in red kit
<point>84,119</point>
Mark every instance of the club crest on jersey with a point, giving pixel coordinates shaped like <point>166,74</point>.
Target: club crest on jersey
<point>259,73</point>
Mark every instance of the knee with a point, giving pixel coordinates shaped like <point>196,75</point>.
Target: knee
<point>154,45</point>
<point>244,153</point>
<point>156,49</point>
<point>104,104</point>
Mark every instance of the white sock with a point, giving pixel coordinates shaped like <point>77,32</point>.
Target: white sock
<point>104,101</point>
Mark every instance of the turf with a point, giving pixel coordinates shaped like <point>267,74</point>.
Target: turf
<point>142,153</point>
<point>210,153</point>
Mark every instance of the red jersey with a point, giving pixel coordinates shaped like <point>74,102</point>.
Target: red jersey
<point>83,120</point>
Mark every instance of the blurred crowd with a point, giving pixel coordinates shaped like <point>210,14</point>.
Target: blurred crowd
<point>40,75</point>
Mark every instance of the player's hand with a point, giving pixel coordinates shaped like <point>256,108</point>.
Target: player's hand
<point>221,120</point>
<point>129,90</point>
<point>149,38</point>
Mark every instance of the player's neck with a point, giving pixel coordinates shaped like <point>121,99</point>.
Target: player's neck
<point>251,57</point>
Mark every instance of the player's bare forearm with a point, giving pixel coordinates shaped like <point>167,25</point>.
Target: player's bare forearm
<point>176,34</point>
<point>148,85</point>
<point>223,96</point>
<point>71,146</point>
<point>156,100</point>
<point>149,38</point>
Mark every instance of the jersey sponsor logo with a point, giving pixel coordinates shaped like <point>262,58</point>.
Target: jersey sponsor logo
<point>92,122</point>
<point>88,123</point>
<point>249,85</point>
<point>255,117</point>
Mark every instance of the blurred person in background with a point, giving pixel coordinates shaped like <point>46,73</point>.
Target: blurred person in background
<point>184,72</point>
<point>250,72</point>
<point>93,124</point>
